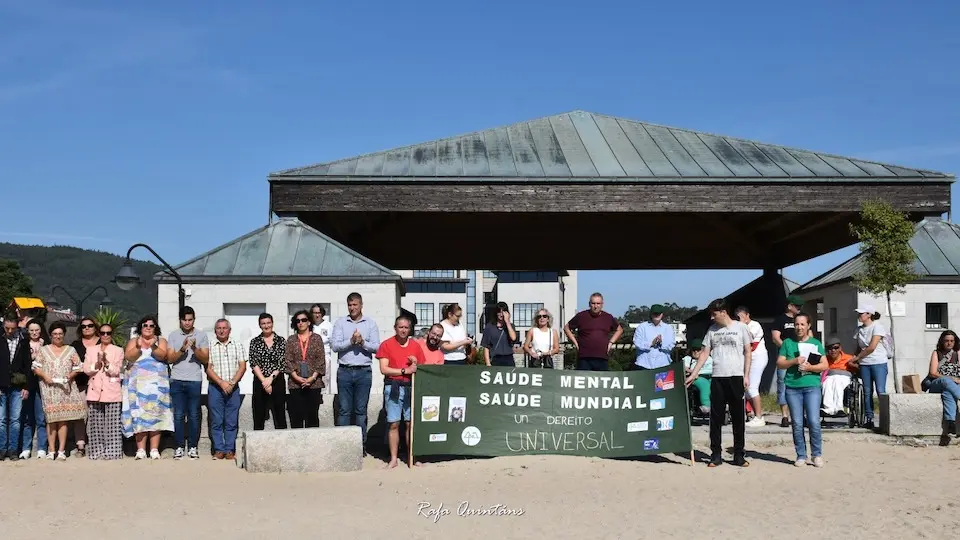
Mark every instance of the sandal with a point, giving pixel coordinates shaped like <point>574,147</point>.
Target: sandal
<point>82,448</point>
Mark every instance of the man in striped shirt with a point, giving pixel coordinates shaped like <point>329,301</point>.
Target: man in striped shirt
<point>227,364</point>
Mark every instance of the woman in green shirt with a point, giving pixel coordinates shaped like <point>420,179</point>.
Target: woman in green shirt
<point>804,359</point>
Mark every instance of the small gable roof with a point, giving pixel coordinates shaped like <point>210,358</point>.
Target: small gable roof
<point>936,248</point>
<point>286,250</point>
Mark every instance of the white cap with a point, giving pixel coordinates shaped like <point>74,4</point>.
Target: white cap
<point>866,308</point>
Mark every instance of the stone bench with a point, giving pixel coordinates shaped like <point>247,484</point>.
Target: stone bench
<point>324,449</point>
<point>911,415</point>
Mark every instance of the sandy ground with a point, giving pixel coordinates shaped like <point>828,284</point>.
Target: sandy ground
<point>867,490</point>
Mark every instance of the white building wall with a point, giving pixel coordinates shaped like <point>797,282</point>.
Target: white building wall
<point>914,342</point>
<point>438,300</point>
<point>380,301</point>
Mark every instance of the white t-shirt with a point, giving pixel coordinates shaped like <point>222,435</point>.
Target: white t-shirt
<point>726,345</point>
<point>864,335</point>
<point>756,331</point>
<point>452,334</point>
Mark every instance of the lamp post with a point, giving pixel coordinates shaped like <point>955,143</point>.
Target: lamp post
<point>79,303</point>
<point>127,279</point>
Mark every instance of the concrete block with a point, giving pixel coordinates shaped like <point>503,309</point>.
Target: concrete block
<point>337,449</point>
<point>911,415</point>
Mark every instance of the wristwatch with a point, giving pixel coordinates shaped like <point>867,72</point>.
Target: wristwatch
<point>403,371</point>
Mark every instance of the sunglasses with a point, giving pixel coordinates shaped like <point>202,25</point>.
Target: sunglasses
<point>87,325</point>
<point>149,325</point>
<point>106,333</point>
<point>543,316</point>
<point>833,348</point>
<point>303,320</point>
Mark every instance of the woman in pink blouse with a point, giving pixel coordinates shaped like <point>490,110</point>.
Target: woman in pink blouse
<point>104,365</point>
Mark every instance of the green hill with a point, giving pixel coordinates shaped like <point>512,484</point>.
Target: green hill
<point>79,271</point>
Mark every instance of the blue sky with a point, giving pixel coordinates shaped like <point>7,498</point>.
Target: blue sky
<point>159,122</point>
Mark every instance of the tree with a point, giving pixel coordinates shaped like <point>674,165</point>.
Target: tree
<point>13,282</point>
<point>884,236</point>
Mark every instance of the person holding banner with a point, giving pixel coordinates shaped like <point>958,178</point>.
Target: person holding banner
<point>730,345</point>
<point>398,356</point>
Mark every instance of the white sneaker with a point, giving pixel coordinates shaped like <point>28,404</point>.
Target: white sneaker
<point>61,456</point>
<point>178,454</point>
<point>25,454</point>
<point>193,454</point>
<point>43,455</point>
<point>757,421</point>
<point>141,454</point>
<point>154,454</point>
<point>818,461</point>
<point>800,463</point>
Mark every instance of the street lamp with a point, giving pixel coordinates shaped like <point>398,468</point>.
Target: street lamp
<point>79,303</point>
<point>127,278</point>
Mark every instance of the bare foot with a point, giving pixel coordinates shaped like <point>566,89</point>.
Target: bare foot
<point>418,464</point>
<point>391,465</point>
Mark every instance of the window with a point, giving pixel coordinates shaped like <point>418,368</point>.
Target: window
<point>528,277</point>
<point>424,314</point>
<point>488,274</point>
<point>436,287</point>
<point>833,321</point>
<point>523,314</point>
<point>937,316</point>
<point>472,302</point>
<point>434,273</point>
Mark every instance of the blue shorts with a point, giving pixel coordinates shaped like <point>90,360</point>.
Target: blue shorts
<point>392,406</point>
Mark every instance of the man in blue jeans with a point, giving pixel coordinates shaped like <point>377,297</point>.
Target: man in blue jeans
<point>190,352</point>
<point>355,338</point>
<point>15,379</point>
<point>228,363</point>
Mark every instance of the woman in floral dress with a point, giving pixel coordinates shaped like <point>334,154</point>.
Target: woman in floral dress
<point>56,366</point>
<point>146,398</point>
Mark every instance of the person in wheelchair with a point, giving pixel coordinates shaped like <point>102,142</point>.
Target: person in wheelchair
<point>701,384</point>
<point>836,379</point>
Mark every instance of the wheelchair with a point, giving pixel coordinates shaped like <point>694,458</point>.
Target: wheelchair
<point>854,399</point>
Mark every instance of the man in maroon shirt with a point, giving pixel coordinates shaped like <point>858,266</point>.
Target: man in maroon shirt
<point>593,340</point>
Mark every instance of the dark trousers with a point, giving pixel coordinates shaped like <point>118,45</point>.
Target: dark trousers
<point>275,402</point>
<point>304,407</point>
<point>593,364</point>
<point>503,360</point>
<point>724,392</point>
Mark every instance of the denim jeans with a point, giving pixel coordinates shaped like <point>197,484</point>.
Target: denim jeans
<point>805,401</point>
<point>872,376</point>
<point>781,387</point>
<point>353,388</point>
<point>10,407</point>
<point>32,417</point>
<point>949,392</point>
<point>185,396</point>
<point>224,418</point>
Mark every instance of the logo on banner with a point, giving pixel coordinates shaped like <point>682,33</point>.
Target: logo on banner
<point>633,427</point>
<point>664,381</point>
<point>651,444</point>
<point>438,437</point>
<point>665,423</point>
<point>657,404</point>
<point>471,436</point>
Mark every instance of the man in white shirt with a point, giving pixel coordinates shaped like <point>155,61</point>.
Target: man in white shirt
<point>729,343</point>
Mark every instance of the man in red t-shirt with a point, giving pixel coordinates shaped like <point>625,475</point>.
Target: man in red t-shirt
<point>398,356</point>
<point>593,340</point>
<point>432,353</point>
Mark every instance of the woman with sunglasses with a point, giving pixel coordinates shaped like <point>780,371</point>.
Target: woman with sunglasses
<point>103,364</point>
<point>304,362</point>
<point>56,366</point>
<point>87,340</point>
<point>146,409</point>
<point>944,379</point>
<point>543,341</point>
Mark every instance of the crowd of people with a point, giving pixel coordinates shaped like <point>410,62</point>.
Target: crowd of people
<point>102,393</point>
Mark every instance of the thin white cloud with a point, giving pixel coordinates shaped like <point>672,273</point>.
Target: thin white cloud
<point>52,236</point>
<point>915,153</point>
<point>59,47</point>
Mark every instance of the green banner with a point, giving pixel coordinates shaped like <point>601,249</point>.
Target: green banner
<point>501,411</point>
